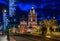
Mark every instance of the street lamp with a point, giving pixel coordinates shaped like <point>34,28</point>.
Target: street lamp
<point>4,19</point>
<point>53,17</point>
<point>4,10</point>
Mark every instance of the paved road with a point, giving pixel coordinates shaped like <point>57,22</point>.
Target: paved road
<point>25,38</point>
<point>21,38</point>
<point>31,38</point>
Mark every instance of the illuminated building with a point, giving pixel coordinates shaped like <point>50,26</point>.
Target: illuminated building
<point>14,30</point>
<point>33,26</point>
<point>32,21</point>
<point>23,26</point>
<point>32,18</point>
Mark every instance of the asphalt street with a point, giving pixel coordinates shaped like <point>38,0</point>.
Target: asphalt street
<point>25,38</point>
<point>31,38</point>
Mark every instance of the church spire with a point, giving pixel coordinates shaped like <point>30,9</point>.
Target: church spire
<point>32,6</point>
<point>32,11</point>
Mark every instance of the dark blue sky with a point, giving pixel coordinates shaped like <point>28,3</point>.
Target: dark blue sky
<point>44,8</point>
<point>52,4</point>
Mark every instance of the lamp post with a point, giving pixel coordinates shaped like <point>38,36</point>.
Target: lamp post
<point>4,19</point>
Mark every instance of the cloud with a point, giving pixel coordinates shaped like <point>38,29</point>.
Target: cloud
<point>3,2</point>
<point>42,18</point>
<point>25,7</point>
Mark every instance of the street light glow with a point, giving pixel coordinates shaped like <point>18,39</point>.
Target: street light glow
<point>5,10</point>
<point>48,36</point>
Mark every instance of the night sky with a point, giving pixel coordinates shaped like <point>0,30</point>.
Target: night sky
<point>44,8</point>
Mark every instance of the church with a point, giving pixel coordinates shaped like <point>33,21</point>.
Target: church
<point>31,23</point>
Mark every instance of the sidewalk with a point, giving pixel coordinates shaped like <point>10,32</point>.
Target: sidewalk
<point>4,38</point>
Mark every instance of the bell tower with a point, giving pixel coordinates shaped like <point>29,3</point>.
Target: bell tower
<point>32,17</point>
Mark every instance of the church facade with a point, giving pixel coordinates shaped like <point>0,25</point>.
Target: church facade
<point>32,21</point>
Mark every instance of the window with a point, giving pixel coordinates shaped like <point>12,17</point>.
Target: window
<point>33,19</point>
